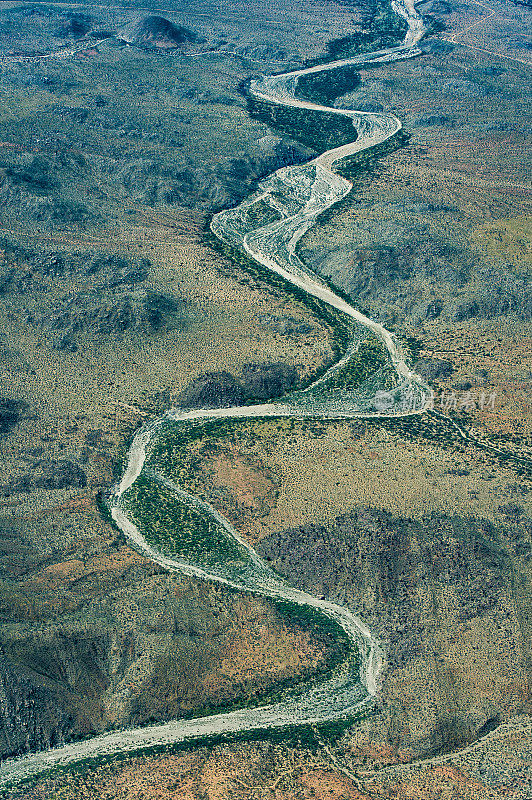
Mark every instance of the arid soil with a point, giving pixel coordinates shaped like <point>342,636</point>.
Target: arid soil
<point>424,535</point>
<point>499,768</point>
<point>94,636</point>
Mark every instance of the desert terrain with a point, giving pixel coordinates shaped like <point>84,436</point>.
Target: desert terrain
<point>115,306</point>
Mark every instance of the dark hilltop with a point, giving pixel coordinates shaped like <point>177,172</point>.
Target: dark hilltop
<point>154,31</point>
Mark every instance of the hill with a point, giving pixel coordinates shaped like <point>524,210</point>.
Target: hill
<point>154,31</point>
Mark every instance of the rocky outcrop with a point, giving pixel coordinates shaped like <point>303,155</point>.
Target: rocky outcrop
<point>10,410</point>
<point>47,474</point>
<point>212,390</point>
<point>109,295</point>
<point>420,279</point>
<point>74,25</point>
<point>58,475</point>
<point>144,310</point>
<point>22,270</point>
<point>156,31</point>
<point>222,390</point>
<point>263,381</point>
<point>223,185</point>
<point>53,188</point>
<point>431,368</point>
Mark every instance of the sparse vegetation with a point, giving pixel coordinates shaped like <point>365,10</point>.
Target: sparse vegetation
<point>370,356</point>
<point>260,214</point>
<point>341,326</point>
<point>104,138</point>
<point>324,87</point>
<point>172,526</point>
<point>316,129</point>
<point>382,28</point>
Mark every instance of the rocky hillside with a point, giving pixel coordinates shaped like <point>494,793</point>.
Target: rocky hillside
<point>103,295</point>
<point>94,637</point>
<point>155,31</point>
<point>445,596</point>
<point>221,389</point>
